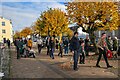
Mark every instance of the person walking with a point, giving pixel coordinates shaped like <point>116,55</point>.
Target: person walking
<point>60,49</point>
<point>75,49</point>
<point>66,46</point>
<point>57,44</point>
<point>25,41</point>
<point>17,42</point>
<point>39,43</point>
<point>52,47</point>
<point>48,45</point>
<point>102,46</point>
<point>82,53</point>
<point>21,47</point>
<point>8,43</point>
<point>29,43</point>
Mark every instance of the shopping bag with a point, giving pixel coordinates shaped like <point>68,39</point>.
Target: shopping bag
<point>109,54</point>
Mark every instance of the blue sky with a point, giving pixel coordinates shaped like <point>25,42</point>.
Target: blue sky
<point>24,14</point>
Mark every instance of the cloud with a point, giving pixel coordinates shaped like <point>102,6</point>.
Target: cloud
<point>24,14</point>
<point>36,0</point>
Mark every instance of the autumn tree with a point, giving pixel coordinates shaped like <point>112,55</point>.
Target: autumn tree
<point>25,32</point>
<point>39,27</point>
<point>93,16</point>
<point>53,22</point>
<point>16,35</point>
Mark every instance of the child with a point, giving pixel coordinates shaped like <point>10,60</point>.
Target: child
<point>61,49</point>
<point>31,52</point>
<point>82,53</point>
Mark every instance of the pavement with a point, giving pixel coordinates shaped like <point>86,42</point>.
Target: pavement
<point>44,67</point>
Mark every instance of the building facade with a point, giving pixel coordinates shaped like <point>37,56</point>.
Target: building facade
<point>6,30</point>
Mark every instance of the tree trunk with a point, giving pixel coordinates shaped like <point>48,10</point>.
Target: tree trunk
<point>60,37</point>
<point>92,39</point>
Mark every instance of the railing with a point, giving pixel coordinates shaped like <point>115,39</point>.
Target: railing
<point>4,61</point>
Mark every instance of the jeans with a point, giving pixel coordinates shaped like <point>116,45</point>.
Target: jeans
<point>52,53</point>
<point>75,58</point>
<point>66,49</point>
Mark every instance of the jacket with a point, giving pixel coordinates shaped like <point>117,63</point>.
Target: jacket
<point>29,43</point>
<point>100,43</point>
<point>75,43</point>
<point>52,44</point>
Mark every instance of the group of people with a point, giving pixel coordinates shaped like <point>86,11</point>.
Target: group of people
<point>79,47</point>
<point>112,43</point>
<point>24,47</point>
<point>103,44</point>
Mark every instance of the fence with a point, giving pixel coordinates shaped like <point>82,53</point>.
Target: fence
<point>4,61</point>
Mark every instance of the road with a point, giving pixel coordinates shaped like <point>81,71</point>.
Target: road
<point>44,67</point>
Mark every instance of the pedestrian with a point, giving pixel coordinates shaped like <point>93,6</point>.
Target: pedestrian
<point>109,43</point>
<point>21,47</point>
<point>75,49</point>
<point>87,44</point>
<point>102,46</point>
<point>115,44</point>
<point>66,44</point>
<point>8,43</point>
<point>81,40</point>
<point>82,53</point>
<point>29,43</point>
<point>57,44</point>
<point>60,49</point>
<point>25,41</point>
<point>52,47</point>
<point>14,42</point>
<point>48,45</point>
<point>17,47</point>
<point>39,43</point>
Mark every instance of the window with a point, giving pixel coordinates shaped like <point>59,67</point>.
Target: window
<point>3,23</point>
<point>3,31</point>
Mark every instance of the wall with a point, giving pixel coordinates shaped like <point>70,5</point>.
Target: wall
<point>8,28</point>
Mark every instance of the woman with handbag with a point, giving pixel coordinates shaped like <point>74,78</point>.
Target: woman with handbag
<point>102,46</point>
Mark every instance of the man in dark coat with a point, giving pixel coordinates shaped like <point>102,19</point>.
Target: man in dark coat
<point>75,49</point>
<point>19,46</point>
